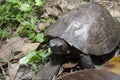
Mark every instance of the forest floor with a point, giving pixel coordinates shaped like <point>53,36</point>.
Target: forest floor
<point>13,49</point>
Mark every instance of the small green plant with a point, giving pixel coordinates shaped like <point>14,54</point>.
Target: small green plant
<point>34,57</point>
<point>3,33</point>
<point>29,29</point>
<point>22,16</point>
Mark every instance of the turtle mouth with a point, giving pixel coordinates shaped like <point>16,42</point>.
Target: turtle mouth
<point>61,52</point>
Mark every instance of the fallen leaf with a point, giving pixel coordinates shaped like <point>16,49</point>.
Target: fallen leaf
<point>50,69</point>
<point>47,72</point>
<point>54,11</point>
<point>112,6</point>
<point>13,45</point>
<point>29,47</point>
<point>56,8</point>
<point>67,5</point>
<point>13,69</point>
<point>7,78</point>
<point>24,73</point>
<point>69,65</point>
<point>113,65</point>
<point>19,72</point>
<point>91,74</point>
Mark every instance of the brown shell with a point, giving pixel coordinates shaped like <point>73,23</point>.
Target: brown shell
<point>89,28</point>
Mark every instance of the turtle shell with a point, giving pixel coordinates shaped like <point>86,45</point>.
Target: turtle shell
<point>89,28</point>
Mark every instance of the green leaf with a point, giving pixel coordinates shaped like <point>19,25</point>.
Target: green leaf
<point>40,52</point>
<point>25,23</point>
<point>34,58</point>
<point>25,7</point>
<point>24,60</point>
<point>14,1</point>
<point>38,2</point>
<point>49,51</point>
<point>19,17</point>
<point>44,54</point>
<point>40,37</point>
<point>31,35</point>
<point>33,27</point>
<point>98,67</point>
<point>31,54</point>
<point>27,58</point>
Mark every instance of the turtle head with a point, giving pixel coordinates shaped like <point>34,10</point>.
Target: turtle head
<point>59,46</point>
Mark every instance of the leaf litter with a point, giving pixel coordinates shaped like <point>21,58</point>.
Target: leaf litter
<point>66,5</point>
<point>11,52</point>
<point>60,7</point>
<point>13,45</point>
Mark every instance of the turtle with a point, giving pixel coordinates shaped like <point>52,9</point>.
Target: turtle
<point>89,28</point>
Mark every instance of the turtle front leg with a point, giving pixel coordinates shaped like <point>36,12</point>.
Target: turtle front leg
<point>86,62</point>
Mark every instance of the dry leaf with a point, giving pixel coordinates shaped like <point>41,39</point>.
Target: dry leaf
<point>54,11</point>
<point>24,73</point>
<point>50,68</point>
<point>113,65</point>
<point>47,72</point>
<point>69,65</point>
<point>112,6</point>
<point>7,78</point>
<point>13,69</point>
<point>66,5</point>
<point>12,45</point>
<point>115,11</point>
<point>56,8</point>
<point>29,47</point>
<point>91,74</point>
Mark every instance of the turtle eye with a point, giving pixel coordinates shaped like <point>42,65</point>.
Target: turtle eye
<point>61,48</point>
